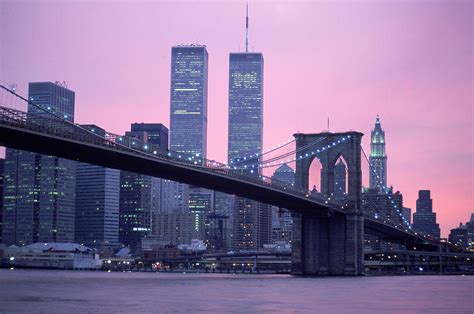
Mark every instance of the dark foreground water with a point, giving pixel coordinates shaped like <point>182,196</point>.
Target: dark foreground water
<point>42,291</point>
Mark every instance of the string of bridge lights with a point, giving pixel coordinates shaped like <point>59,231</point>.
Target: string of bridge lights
<point>290,160</point>
<point>386,192</point>
<point>293,152</point>
<point>276,163</point>
<point>266,164</point>
<point>270,150</point>
<point>300,157</point>
<point>246,158</point>
<point>198,163</point>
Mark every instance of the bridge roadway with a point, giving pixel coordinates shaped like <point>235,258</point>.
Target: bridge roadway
<point>63,139</point>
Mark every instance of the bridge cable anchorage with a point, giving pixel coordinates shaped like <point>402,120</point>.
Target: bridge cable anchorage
<point>43,119</point>
<point>388,195</point>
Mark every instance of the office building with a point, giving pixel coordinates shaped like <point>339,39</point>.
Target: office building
<point>463,236</point>
<point>156,133</point>
<point>223,221</point>
<point>188,124</point>
<point>180,228</point>
<point>188,113</point>
<point>424,219</point>
<point>245,138</point>
<point>379,205</point>
<point>251,219</point>
<point>39,201</point>
<point>460,236</point>
<point>97,202</point>
<point>140,194</point>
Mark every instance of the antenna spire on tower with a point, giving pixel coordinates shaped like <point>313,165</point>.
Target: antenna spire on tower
<point>247,29</point>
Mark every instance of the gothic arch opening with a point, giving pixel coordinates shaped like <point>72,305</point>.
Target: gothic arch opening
<point>341,179</point>
<point>314,179</point>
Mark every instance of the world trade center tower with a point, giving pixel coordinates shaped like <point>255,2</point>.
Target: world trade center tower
<point>251,219</point>
<point>188,114</point>
<point>245,106</point>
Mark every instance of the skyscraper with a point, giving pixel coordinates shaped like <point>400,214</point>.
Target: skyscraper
<point>251,220</point>
<point>245,105</point>
<point>157,134</point>
<point>140,194</point>
<point>97,202</point>
<point>188,120</point>
<point>135,219</point>
<point>378,158</point>
<point>174,197</point>
<point>39,202</point>
<point>424,219</point>
<point>200,204</point>
<point>188,114</point>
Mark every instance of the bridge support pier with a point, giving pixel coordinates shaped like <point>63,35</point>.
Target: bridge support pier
<point>327,245</point>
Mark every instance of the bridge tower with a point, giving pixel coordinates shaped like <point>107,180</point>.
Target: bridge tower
<point>329,242</point>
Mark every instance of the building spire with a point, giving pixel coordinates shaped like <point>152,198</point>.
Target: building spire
<point>247,29</point>
<point>378,126</point>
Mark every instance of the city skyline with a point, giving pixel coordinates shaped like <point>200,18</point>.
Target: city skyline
<point>419,86</point>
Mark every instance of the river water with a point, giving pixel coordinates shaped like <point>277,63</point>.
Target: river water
<point>49,291</point>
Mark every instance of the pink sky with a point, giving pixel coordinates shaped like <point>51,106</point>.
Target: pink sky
<point>409,61</point>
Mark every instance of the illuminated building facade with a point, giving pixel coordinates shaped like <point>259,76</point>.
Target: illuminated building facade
<point>200,204</point>
<point>180,228</point>
<point>245,105</point>
<point>140,194</point>
<point>378,158</point>
<point>188,114</point>
<point>251,220</point>
<point>97,202</point>
<point>39,201</point>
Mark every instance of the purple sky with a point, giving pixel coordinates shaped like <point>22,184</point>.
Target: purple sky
<point>409,61</point>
